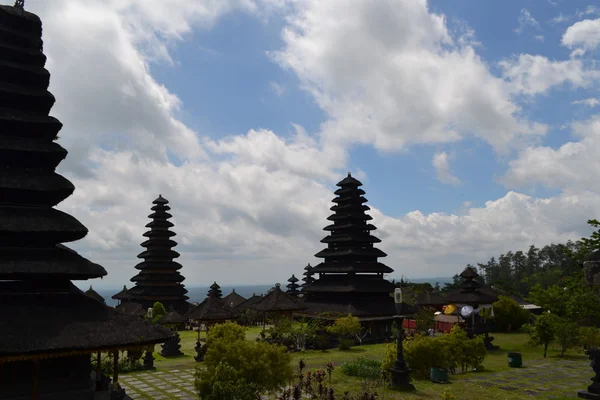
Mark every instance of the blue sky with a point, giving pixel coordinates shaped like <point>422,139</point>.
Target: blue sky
<point>472,124</point>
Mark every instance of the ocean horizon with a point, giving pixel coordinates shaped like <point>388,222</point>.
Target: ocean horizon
<point>199,293</point>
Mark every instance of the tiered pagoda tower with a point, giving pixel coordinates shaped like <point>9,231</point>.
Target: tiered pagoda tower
<point>292,286</point>
<point>159,278</point>
<point>49,327</point>
<point>308,275</point>
<point>215,290</point>
<point>350,278</point>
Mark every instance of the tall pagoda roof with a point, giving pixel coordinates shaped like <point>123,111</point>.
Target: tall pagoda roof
<point>277,300</point>
<point>122,295</point>
<point>159,278</point>
<point>233,299</point>
<point>94,295</point>
<point>42,311</point>
<point>350,265</point>
<point>470,291</point>
<point>212,309</point>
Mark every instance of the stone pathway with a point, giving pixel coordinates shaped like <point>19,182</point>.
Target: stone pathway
<point>160,385</point>
<point>558,380</point>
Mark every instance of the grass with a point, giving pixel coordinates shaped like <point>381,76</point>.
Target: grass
<point>460,385</point>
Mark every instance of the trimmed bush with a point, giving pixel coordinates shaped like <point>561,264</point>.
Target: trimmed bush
<point>363,368</point>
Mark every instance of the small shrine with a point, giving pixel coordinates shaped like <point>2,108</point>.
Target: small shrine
<point>123,295</point>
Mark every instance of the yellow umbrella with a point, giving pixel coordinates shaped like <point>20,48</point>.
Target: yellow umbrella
<point>449,309</point>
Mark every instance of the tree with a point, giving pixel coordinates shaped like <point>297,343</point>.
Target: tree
<point>158,311</point>
<point>567,334</point>
<point>424,320</point>
<point>543,331</point>
<point>345,328</point>
<point>235,368</point>
<point>508,314</point>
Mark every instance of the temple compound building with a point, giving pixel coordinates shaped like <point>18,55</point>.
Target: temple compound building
<point>350,280</point>
<point>159,279</point>
<point>49,328</point>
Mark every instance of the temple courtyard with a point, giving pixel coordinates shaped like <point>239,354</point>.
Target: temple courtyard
<point>550,378</point>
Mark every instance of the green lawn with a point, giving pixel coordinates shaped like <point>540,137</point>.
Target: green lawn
<point>459,386</point>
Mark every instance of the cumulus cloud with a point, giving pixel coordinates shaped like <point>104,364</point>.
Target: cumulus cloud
<point>589,102</point>
<point>533,74</point>
<point>442,168</point>
<point>525,19</point>
<point>362,61</point>
<point>250,208</point>
<point>585,34</point>
<point>573,166</point>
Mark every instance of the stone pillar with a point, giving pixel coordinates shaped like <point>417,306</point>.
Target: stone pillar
<point>149,358</point>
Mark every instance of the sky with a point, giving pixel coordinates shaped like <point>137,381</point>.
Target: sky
<point>474,127</point>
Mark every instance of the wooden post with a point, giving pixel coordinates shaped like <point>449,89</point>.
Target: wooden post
<point>116,369</point>
<point>36,379</point>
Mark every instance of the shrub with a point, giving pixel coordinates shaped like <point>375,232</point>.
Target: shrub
<point>589,336</point>
<point>543,331</point>
<point>567,334</point>
<point>424,320</point>
<point>158,311</point>
<point>345,328</point>
<point>233,365</point>
<point>508,314</point>
<point>453,351</point>
<point>363,368</point>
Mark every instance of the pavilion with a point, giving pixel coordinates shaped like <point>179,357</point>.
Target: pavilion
<point>233,299</point>
<point>50,328</point>
<point>350,278</point>
<point>122,295</point>
<point>94,295</point>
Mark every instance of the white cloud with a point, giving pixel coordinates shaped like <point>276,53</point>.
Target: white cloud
<point>574,166</point>
<point>525,20</point>
<point>539,38</point>
<point>560,18</point>
<point>362,60</point>
<point>277,88</point>
<point>442,168</point>
<point>589,10</point>
<point>589,102</point>
<point>585,34</point>
<point>250,208</point>
<point>533,74</point>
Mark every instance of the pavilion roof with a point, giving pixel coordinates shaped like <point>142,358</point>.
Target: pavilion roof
<point>122,295</point>
<point>278,300</point>
<point>430,299</point>
<point>470,291</point>
<point>47,317</point>
<point>131,308</point>
<point>248,303</point>
<point>94,295</point>
<point>233,299</point>
<point>172,317</point>
<point>212,309</point>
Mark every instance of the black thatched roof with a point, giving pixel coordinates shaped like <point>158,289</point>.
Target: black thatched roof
<point>212,309</point>
<point>255,298</point>
<point>233,299</point>
<point>94,295</point>
<point>54,317</point>
<point>277,300</point>
<point>172,318</point>
<point>122,295</point>
<point>430,299</point>
<point>31,229</point>
<point>471,292</point>
<point>159,278</point>
<point>350,272</point>
<point>134,309</point>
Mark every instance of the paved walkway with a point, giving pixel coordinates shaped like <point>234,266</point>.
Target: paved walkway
<point>160,385</point>
<point>555,380</point>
